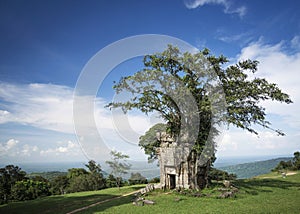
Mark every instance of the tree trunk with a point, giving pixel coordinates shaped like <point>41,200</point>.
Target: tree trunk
<point>198,173</point>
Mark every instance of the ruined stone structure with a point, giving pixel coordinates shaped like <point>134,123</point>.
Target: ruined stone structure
<point>173,162</point>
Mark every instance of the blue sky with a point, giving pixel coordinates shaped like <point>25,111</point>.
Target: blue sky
<point>44,46</point>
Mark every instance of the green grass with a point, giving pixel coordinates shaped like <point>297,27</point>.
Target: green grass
<point>65,203</point>
<point>280,195</point>
<point>258,195</point>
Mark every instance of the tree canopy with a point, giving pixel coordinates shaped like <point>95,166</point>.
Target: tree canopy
<point>149,141</point>
<point>196,92</point>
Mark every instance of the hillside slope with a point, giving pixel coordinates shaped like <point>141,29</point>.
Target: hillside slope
<point>249,170</point>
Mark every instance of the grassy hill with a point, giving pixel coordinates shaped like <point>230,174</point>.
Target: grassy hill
<point>249,170</point>
<point>264,194</point>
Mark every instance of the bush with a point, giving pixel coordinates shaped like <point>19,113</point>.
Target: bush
<point>219,175</point>
<point>29,189</point>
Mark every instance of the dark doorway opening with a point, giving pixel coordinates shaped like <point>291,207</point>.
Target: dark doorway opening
<point>172,181</point>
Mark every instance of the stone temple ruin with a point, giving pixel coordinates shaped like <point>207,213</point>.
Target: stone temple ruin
<point>173,162</point>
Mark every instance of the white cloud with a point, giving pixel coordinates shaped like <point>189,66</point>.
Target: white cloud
<point>8,146</point>
<point>14,148</point>
<point>228,6</point>
<point>26,150</point>
<point>44,106</point>
<point>50,107</point>
<point>4,116</point>
<point>295,42</point>
<point>227,144</point>
<point>277,66</point>
<point>62,149</point>
<point>281,68</point>
<point>238,142</point>
<point>35,149</point>
<point>242,39</point>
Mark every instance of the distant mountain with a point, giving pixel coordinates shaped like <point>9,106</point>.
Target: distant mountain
<point>248,170</point>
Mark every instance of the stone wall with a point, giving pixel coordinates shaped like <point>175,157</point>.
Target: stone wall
<point>173,163</point>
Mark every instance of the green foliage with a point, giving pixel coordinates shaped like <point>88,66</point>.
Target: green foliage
<point>29,189</point>
<point>80,183</point>
<point>296,161</point>
<point>154,180</point>
<point>182,88</point>
<point>219,175</point>
<point>118,165</point>
<point>62,204</point>
<point>111,181</point>
<point>137,178</point>
<point>59,184</point>
<point>77,182</point>
<point>47,175</point>
<point>149,141</point>
<point>277,195</point>
<point>249,170</point>
<point>193,75</point>
<point>39,178</point>
<point>283,165</point>
<point>14,185</point>
<point>254,196</point>
<point>96,179</point>
<point>293,164</point>
<point>9,175</point>
<point>93,167</point>
<point>76,172</point>
<point>82,180</point>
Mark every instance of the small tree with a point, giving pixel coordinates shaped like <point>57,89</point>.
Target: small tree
<point>118,165</point>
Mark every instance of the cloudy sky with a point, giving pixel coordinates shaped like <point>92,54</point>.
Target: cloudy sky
<point>45,45</point>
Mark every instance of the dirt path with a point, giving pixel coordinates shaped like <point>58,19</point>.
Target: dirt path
<point>278,176</point>
<point>101,202</point>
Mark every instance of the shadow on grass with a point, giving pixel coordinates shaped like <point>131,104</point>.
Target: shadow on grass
<point>109,204</point>
<point>65,203</point>
<point>255,186</point>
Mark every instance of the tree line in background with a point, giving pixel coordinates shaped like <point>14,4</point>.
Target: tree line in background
<point>293,164</point>
<point>16,185</point>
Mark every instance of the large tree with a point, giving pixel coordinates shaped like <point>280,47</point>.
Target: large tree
<point>185,89</point>
<point>9,175</point>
